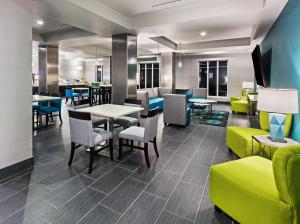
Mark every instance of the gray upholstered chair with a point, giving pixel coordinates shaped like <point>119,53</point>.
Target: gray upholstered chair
<point>131,119</point>
<point>83,134</point>
<point>176,110</point>
<point>199,92</point>
<point>96,120</point>
<point>144,134</point>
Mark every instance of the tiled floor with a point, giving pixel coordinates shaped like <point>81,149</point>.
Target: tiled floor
<point>174,190</point>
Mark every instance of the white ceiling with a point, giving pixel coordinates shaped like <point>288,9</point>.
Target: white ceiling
<point>180,21</point>
<point>126,6</point>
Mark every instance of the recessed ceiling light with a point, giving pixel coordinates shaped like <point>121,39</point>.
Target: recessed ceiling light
<point>40,22</point>
<point>203,33</point>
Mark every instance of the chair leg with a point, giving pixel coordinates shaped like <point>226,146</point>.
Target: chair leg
<point>146,154</point>
<point>111,150</point>
<point>131,145</point>
<point>155,146</point>
<point>120,148</point>
<point>72,153</point>
<point>51,115</point>
<point>60,117</point>
<point>91,159</point>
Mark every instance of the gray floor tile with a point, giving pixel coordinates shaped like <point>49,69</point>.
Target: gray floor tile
<point>177,164</point>
<point>172,144</point>
<point>111,180</point>
<point>76,208</point>
<point>145,173</point>
<point>15,185</point>
<point>163,184</point>
<point>31,214</point>
<point>60,176</point>
<point>17,201</point>
<point>185,200</point>
<point>194,140</point>
<point>145,209</point>
<point>168,218</point>
<point>196,174</point>
<point>187,150</point>
<point>100,215</point>
<point>122,197</point>
<point>207,214</point>
<point>69,189</point>
<point>203,158</point>
<point>209,144</point>
<point>133,162</point>
<point>101,169</point>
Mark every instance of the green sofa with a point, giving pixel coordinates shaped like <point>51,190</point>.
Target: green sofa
<point>256,190</point>
<point>239,139</point>
<point>239,104</point>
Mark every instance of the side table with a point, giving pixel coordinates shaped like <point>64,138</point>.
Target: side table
<point>264,142</point>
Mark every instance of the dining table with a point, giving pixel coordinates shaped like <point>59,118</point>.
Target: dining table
<point>41,98</point>
<point>111,111</point>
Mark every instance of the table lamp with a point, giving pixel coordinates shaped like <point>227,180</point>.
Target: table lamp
<point>278,102</point>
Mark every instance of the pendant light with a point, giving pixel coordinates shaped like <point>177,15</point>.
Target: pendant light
<point>180,60</point>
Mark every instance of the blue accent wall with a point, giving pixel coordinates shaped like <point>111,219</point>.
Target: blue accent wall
<point>284,41</point>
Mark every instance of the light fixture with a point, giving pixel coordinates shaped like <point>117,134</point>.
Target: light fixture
<point>203,33</point>
<point>278,102</point>
<point>180,60</point>
<point>40,22</point>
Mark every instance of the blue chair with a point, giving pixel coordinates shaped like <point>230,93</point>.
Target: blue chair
<point>54,107</point>
<point>71,95</point>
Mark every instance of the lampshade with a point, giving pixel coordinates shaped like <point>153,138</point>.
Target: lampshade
<point>248,85</point>
<point>284,101</point>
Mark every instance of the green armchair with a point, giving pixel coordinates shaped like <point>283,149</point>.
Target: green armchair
<point>239,104</point>
<point>239,139</point>
<point>258,190</point>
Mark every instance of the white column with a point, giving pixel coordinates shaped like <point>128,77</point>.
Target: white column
<point>15,75</point>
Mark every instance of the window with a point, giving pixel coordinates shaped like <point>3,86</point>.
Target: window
<point>213,76</point>
<point>149,75</point>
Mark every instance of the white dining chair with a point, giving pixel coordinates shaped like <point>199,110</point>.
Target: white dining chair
<point>144,134</point>
<point>83,134</point>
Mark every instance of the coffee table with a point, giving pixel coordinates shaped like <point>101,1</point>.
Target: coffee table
<point>265,142</point>
<point>203,102</point>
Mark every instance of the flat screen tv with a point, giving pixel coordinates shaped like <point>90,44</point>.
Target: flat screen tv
<point>261,67</point>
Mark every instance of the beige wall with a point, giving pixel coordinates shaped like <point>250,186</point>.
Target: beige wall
<point>16,69</point>
<point>240,69</point>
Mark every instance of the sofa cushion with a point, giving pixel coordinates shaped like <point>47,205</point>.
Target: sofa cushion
<point>150,92</point>
<point>156,102</point>
<point>239,106</point>
<point>163,91</point>
<point>245,190</point>
<point>239,140</point>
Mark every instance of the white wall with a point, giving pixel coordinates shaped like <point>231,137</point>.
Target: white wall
<point>240,68</point>
<point>89,69</point>
<point>71,66</point>
<point>15,73</point>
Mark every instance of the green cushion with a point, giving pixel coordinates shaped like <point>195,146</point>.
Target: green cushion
<point>239,140</point>
<point>240,106</point>
<point>245,189</point>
